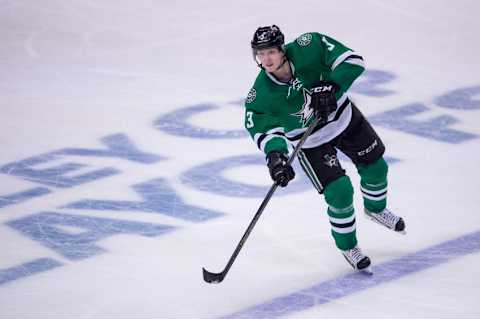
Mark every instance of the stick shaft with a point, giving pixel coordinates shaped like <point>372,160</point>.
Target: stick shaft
<point>219,277</point>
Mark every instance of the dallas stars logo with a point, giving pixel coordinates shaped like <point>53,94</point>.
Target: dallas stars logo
<point>306,112</point>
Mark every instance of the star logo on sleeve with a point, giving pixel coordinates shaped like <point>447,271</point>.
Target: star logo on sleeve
<point>306,113</point>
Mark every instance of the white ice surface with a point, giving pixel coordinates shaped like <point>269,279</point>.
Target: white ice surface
<point>73,72</point>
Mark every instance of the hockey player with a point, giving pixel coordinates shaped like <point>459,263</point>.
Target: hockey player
<point>299,81</point>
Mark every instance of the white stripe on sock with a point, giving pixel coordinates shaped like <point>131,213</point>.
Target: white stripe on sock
<point>345,220</point>
<point>344,230</point>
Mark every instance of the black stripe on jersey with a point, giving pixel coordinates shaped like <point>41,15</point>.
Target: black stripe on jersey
<point>374,195</point>
<point>353,56</point>
<point>264,135</point>
<point>260,139</point>
<point>337,116</point>
<point>343,225</point>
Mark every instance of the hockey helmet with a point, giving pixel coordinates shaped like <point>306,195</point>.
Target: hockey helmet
<point>267,37</point>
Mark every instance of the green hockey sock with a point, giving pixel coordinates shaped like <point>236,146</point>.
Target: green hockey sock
<point>343,226</point>
<point>339,197</point>
<point>373,182</point>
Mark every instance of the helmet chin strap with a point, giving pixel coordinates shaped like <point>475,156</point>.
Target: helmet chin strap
<point>281,65</point>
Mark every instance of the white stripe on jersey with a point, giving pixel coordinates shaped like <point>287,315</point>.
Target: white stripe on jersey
<point>356,62</point>
<point>271,131</point>
<point>344,57</point>
<point>269,135</point>
<point>298,131</point>
<point>341,58</point>
<point>331,130</point>
<point>266,140</point>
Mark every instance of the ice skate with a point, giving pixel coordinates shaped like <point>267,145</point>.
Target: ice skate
<point>387,219</point>
<point>357,259</point>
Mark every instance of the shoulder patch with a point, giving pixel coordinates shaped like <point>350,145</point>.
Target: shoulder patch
<point>251,96</point>
<point>304,39</point>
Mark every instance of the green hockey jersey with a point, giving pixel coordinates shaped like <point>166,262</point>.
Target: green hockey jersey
<point>277,114</point>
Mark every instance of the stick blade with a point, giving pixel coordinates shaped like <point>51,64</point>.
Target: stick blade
<point>212,278</point>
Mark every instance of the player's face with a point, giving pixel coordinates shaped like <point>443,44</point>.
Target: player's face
<point>270,58</point>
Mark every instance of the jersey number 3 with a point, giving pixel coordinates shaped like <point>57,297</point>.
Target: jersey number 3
<point>249,119</point>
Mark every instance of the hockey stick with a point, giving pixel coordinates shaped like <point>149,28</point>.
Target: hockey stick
<point>215,278</point>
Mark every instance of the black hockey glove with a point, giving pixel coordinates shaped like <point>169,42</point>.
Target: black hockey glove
<point>323,100</point>
<point>280,172</point>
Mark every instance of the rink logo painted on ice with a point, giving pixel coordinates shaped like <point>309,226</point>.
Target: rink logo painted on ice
<point>76,237</point>
<point>400,118</point>
<point>354,282</point>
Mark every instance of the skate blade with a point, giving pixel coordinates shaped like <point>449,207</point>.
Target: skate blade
<point>366,271</point>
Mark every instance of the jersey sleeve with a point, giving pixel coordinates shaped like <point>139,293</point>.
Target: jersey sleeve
<point>345,64</point>
<point>264,128</point>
